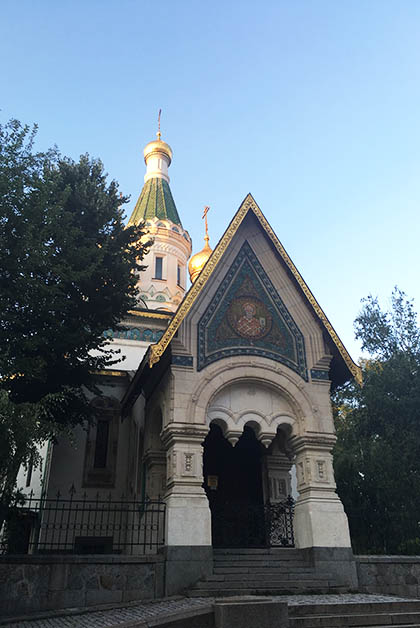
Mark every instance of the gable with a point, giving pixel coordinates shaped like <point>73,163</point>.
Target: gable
<point>247,316</point>
<point>342,364</point>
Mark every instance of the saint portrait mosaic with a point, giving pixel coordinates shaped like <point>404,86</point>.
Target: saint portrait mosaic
<point>247,317</point>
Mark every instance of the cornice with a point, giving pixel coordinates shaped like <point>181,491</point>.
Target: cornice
<point>150,314</point>
<point>105,373</point>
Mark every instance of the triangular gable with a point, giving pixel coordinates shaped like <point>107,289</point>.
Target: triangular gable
<point>249,204</point>
<point>247,316</point>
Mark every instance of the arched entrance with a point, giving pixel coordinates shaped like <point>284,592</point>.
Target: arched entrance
<point>246,465</point>
<point>234,488</point>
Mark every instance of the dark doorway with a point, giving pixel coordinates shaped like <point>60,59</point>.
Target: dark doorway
<point>233,484</point>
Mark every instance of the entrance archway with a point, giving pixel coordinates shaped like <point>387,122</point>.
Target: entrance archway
<point>234,486</point>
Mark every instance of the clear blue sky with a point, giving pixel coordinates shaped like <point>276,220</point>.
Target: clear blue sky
<point>312,106</point>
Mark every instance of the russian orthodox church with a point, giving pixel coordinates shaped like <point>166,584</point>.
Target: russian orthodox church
<point>225,387</point>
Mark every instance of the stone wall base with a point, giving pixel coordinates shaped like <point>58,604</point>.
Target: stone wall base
<point>392,575</point>
<point>38,583</point>
<point>185,564</point>
<point>337,561</point>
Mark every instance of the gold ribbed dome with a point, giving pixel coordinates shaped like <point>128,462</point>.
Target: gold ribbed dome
<point>158,146</point>
<point>198,261</point>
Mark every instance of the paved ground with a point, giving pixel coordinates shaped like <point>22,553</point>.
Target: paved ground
<point>136,612</point>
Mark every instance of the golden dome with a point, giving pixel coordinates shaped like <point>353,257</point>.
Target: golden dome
<point>157,146</point>
<point>198,261</point>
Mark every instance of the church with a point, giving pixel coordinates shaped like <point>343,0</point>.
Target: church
<point>221,403</point>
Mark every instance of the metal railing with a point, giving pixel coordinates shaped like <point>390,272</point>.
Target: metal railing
<point>236,524</point>
<point>84,525</point>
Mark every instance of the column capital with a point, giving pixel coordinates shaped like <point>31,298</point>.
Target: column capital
<point>313,440</point>
<point>183,433</point>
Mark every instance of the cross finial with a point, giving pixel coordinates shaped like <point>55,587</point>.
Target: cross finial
<point>159,133</point>
<point>206,210</point>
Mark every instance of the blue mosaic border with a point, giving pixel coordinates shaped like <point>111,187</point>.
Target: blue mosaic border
<point>205,357</point>
<point>320,375</point>
<point>140,334</point>
<point>182,360</point>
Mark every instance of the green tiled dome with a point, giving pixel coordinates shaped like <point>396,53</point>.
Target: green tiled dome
<point>155,200</point>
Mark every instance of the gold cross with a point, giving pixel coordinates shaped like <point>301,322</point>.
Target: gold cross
<point>206,210</point>
<point>159,133</point>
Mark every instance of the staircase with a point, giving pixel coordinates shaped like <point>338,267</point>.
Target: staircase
<point>271,571</point>
<point>396,613</point>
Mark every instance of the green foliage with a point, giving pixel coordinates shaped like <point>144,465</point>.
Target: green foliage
<point>66,271</point>
<point>377,456</point>
<point>26,426</point>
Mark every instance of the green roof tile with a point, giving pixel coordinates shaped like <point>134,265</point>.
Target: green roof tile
<point>155,200</point>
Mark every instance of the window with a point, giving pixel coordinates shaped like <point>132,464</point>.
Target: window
<point>158,268</point>
<point>102,444</point>
<point>29,471</point>
<point>178,276</point>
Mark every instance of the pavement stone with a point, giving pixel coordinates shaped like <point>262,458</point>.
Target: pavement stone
<point>115,617</point>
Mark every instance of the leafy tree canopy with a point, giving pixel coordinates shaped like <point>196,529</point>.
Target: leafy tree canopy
<point>377,456</point>
<point>66,269</point>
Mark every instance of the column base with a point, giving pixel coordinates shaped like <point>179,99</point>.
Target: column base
<point>185,564</point>
<point>337,562</point>
<point>321,522</point>
<point>188,520</point>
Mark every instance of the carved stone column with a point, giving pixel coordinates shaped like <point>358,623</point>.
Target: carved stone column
<point>320,520</point>
<point>189,552</point>
<point>277,486</point>
<point>188,519</point>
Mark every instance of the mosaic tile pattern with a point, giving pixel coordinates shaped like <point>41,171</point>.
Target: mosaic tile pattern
<point>144,334</point>
<point>248,317</point>
<point>320,375</point>
<point>182,360</point>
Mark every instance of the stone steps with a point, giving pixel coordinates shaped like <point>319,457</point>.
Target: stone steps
<point>265,574</point>
<point>363,615</point>
<point>266,554</point>
<point>257,567</point>
<point>263,571</point>
<point>260,583</point>
<point>269,590</point>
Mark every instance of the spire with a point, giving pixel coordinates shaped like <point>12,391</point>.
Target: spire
<point>163,283</point>
<point>198,261</point>
<point>156,200</point>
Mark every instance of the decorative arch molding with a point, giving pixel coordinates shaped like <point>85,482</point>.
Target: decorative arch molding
<point>264,431</point>
<point>265,375</point>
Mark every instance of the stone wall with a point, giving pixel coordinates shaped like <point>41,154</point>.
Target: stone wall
<point>37,583</point>
<point>396,575</point>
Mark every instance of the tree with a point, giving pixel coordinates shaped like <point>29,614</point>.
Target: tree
<point>377,456</point>
<point>66,270</point>
<point>24,427</point>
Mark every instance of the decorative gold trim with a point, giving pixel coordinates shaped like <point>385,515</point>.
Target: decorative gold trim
<point>111,373</point>
<point>249,203</point>
<point>149,314</point>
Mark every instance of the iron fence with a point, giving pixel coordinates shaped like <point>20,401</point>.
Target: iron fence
<point>279,523</point>
<point>84,525</point>
<point>241,524</point>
